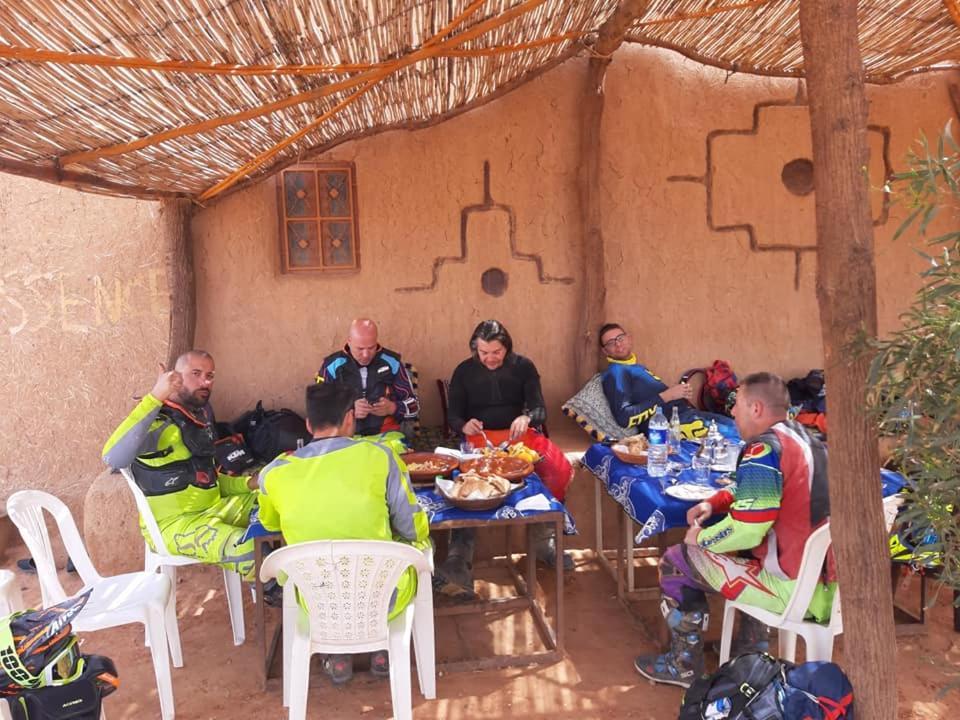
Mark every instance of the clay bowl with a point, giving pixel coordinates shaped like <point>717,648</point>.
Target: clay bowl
<point>511,468</point>
<point>623,456</point>
<point>449,465</point>
<point>481,504</point>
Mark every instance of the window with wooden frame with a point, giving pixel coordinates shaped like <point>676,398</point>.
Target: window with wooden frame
<point>318,217</point>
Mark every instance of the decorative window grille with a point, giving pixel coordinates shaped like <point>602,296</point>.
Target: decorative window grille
<point>318,217</point>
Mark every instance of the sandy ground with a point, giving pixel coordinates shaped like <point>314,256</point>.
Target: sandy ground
<point>595,680</point>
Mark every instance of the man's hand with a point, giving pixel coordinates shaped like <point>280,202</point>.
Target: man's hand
<point>168,383</point>
<point>680,391</point>
<point>691,537</point>
<point>472,427</point>
<point>361,408</point>
<point>699,514</point>
<point>383,407</point>
<point>253,482</point>
<point>519,426</point>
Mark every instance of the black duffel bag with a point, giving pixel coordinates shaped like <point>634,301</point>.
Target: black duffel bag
<point>272,432</point>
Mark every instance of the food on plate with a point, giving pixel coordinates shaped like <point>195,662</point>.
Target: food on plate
<point>427,466</point>
<point>635,444</point>
<point>638,449</point>
<point>508,467</point>
<point>517,450</point>
<point>474,486</point>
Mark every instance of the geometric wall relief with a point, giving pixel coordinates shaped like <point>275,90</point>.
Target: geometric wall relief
<point>759,180</point>
<point>494,280</point>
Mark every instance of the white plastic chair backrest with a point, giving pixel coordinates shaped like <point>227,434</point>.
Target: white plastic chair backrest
<point>811,567</point>
<point>26,509</point>
<point>891,506</point>
<point>345,585</point>
<point>146,513</point>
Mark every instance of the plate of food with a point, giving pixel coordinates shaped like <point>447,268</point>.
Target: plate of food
<point>476,491</point>
<point>690,491</point>
<point>632,449</point>
<point>425,466</point>
<point>511,468</point>
<point>518,450</point>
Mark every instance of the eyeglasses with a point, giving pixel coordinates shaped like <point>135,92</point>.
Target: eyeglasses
<point>615,340</point>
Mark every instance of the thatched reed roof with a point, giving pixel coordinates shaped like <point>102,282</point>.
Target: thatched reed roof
<point>192,98</point>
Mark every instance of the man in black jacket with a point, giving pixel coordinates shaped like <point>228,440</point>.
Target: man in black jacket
<point>385,396</point>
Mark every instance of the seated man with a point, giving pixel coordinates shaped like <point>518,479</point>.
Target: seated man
<point>167,440</point>
<point>338,488</point>
<point>634,392</point>
<point>381,384</point>
<point>753,554</point>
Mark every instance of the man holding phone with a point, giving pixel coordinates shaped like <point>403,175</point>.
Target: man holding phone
<point>385,396</point>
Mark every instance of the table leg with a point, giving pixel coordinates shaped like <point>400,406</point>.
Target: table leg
<point>621,553</point>
<point>598,515</point>
<point>628,540</point>
<point>559,616</point>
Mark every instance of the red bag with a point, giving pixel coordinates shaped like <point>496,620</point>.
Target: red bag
<point>554,469</point>
<point>719,384</point>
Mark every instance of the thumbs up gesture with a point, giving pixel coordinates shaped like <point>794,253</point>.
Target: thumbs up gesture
<point>169,382</point>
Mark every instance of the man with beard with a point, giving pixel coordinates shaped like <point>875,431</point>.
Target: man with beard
<point>167,440</point>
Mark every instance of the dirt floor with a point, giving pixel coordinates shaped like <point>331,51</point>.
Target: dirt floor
<point>595,680</point>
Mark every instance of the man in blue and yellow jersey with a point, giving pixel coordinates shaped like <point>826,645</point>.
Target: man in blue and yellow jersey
<point>634,392</point>
<point>385,398</point>
<point>167,441</point>
<point>341,488</point>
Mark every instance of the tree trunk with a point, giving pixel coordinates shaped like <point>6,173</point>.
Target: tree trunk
<point>846,291</point>
<point>175,216</point>
<point>593,289</point>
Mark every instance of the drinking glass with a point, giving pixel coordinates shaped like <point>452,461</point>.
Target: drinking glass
<point>701,469</point>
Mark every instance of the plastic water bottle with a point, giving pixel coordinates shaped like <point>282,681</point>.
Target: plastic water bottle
<point>718,709</point>
<point>657,432</point>
<point>674,437</point>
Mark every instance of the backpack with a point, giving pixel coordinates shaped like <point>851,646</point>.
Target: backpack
<point>809,393</point>
<point>719,385</point>
<point>43,675</point>
<point>270,433</point>
<point>757,686</point>
<point>749,687</point>
<point>817,691</point>
<point>79,699</point>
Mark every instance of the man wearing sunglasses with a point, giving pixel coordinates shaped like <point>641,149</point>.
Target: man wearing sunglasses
<point>633,391</point>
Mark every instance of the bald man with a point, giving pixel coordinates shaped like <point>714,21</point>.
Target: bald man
<point>385,396</point>
<point>167,442</point>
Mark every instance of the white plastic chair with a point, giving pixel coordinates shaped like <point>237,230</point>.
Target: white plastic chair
<point>10,598</point>
<point>347,586</point>
<point>790,623</point>
<point>163,560</point>
<point>141,597</point>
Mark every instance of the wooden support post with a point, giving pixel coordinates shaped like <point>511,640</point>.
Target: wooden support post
<point>175,216</point>
<point>846,291</point>
<point>593,287</point>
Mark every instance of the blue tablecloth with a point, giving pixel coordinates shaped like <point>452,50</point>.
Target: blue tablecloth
<point>439,510</point>
<point>642,496</point>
